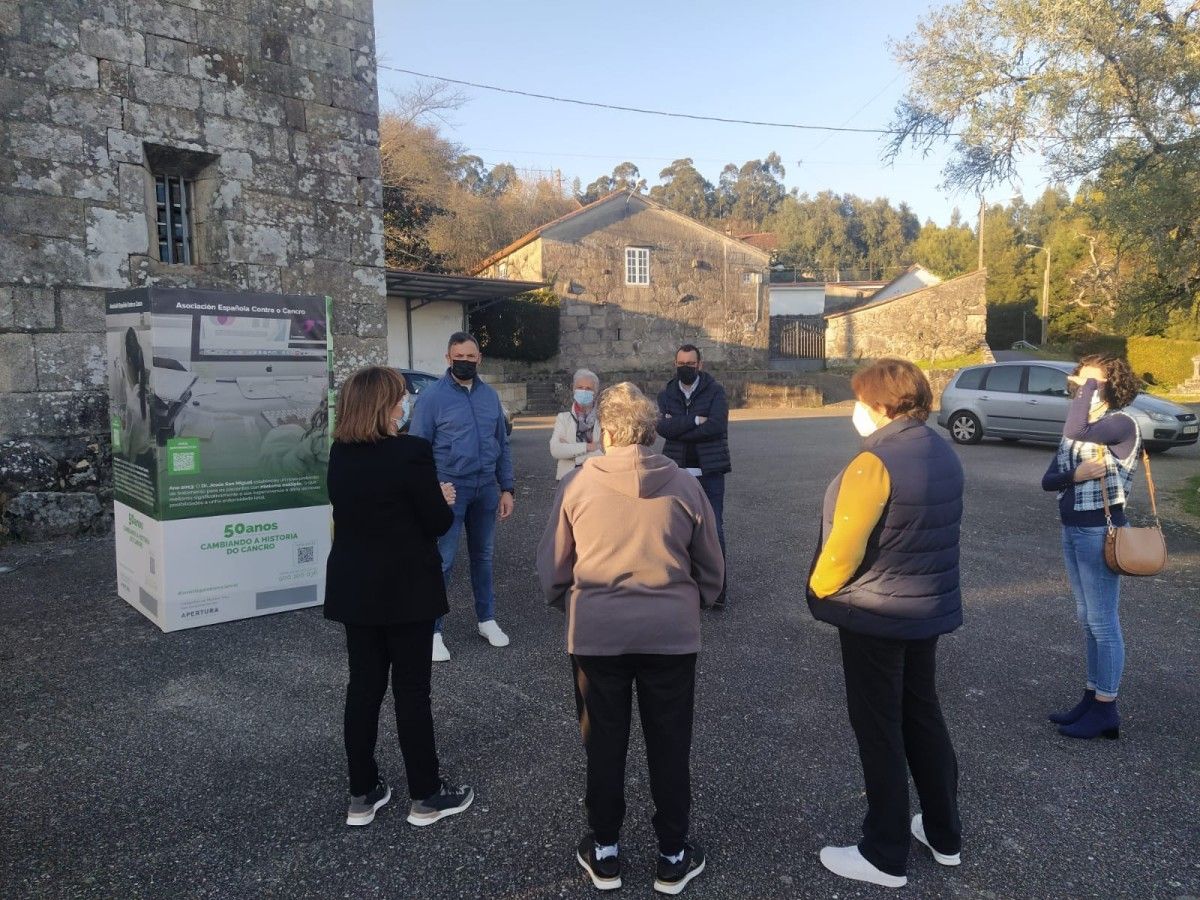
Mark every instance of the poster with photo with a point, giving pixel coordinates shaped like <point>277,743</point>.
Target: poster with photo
<point>219,407</point>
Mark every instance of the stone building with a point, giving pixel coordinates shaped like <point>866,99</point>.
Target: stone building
<point>206,143</point>
<point>933,323</point>
<point>636,280</point>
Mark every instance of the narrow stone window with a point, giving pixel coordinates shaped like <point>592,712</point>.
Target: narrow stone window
<point>502,270</point>
<point>180,185</point>
<point>173,201</point>
<point>637,265</point>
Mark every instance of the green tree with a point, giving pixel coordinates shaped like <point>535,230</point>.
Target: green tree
<point>881,234</point>
<point>759,190</point>
<point>625,177</point>
<point>1107,90</point>
<point>814,234</point>
<point>947,252</point>
<point>684,190</point>
<point>725,195</point>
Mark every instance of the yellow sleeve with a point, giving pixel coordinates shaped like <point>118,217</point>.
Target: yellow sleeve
<point>862,495</point>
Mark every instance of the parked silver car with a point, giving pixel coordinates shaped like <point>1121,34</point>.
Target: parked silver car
<point>1028,400</point>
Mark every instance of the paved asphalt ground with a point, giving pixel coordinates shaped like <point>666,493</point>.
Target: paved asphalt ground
<point>208,763</point>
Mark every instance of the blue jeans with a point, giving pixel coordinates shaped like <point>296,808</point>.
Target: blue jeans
<point>714,489</point>
<point>1097,590</point>
<point>475,506</point>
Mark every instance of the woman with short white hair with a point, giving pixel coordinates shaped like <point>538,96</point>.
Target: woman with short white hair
<point>631,554</point>
<point>576,432</point>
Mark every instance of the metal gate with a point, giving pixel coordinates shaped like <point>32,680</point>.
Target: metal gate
<point>802,339</point>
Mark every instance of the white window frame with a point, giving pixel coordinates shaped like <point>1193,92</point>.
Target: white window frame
<point>502,270</point>
<point>637,265</point>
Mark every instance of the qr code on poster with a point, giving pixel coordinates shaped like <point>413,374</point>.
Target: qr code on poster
<point>183,462</point>
<point>306,553</point>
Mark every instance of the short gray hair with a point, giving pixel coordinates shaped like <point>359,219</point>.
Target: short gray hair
<point>587,375</point>
<point>628,416</point>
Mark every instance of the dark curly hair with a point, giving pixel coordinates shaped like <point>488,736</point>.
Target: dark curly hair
<point>1120,384</point>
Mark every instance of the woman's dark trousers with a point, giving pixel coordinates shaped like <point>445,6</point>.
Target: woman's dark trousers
<point>894,711</point>
<point>404,651</point>
<point>666,692</point>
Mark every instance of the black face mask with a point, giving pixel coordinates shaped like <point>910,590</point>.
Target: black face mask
<point>463,369</point>
<point>687,374</point>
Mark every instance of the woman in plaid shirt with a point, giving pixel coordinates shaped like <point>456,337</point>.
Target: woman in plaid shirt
<point>1098,440</point>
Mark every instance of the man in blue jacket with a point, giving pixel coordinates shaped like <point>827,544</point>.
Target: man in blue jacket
<point>693,419</point>
<point>462,418</point>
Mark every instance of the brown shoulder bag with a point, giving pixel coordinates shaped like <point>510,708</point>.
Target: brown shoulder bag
<point>1129,550</point>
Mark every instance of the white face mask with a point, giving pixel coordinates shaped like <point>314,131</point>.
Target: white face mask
<point>863,423</point>
<point>406,414</point>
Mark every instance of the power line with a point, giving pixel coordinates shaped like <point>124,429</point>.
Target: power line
<point>850,118</point>
<point>640,110</point>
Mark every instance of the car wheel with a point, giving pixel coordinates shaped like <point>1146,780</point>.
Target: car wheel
<point>965,428</point>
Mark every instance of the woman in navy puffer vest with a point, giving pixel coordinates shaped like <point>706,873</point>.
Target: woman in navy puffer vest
<point>886,574</point>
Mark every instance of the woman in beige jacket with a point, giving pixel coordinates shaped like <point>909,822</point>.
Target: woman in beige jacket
<point>576,432</point>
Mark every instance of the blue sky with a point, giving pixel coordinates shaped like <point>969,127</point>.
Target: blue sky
<point>807,62</point>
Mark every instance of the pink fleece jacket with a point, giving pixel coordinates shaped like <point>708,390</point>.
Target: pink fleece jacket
<point>630,552</point>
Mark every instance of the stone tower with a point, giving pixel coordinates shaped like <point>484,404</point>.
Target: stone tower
<point>209,143</point>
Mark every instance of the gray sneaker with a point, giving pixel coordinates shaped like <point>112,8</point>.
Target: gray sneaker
<point>446,802</point>
<point>362,809</point>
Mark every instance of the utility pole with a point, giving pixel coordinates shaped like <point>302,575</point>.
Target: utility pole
<point>980,265</point>
<point>1045,289</point>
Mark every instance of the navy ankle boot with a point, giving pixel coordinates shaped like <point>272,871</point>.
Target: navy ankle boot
<point>1075,713</point>
<point>1101,719</point>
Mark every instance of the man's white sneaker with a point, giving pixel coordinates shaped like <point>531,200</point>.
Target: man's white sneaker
<point>849,863</point>
<point>492,632</point>
<point>440,653</point>
<point>918,831</point>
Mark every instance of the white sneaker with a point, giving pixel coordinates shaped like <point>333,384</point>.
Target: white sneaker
<point>918,831</point>
<point>849,863</point>
<point>440,653</point>
<point>492,632</point>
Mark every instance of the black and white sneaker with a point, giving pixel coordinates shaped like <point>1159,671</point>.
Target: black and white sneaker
<point>362,809</point>
<point>672,878</point>
<point>448,801</point>
<point>605,873</point>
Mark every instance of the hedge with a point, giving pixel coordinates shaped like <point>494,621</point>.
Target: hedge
<point>1162,360</point>
<point>1156,360</point>
<point>517,329</point>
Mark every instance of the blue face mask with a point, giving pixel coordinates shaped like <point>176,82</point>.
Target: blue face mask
<point>405,405</point>
<point>584,398</point>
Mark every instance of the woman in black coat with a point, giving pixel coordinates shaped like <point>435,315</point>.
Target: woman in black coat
<point>384,584</point>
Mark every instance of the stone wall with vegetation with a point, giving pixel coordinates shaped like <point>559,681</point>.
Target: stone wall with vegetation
<point>272,106</point>
<point>940,322</point>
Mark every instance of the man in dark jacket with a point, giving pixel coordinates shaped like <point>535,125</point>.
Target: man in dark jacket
<point>693,419</point>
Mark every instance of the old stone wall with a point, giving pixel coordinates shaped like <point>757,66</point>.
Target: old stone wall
<point>269,105</point>
<point>760,389</point>
<point>939,322</point>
